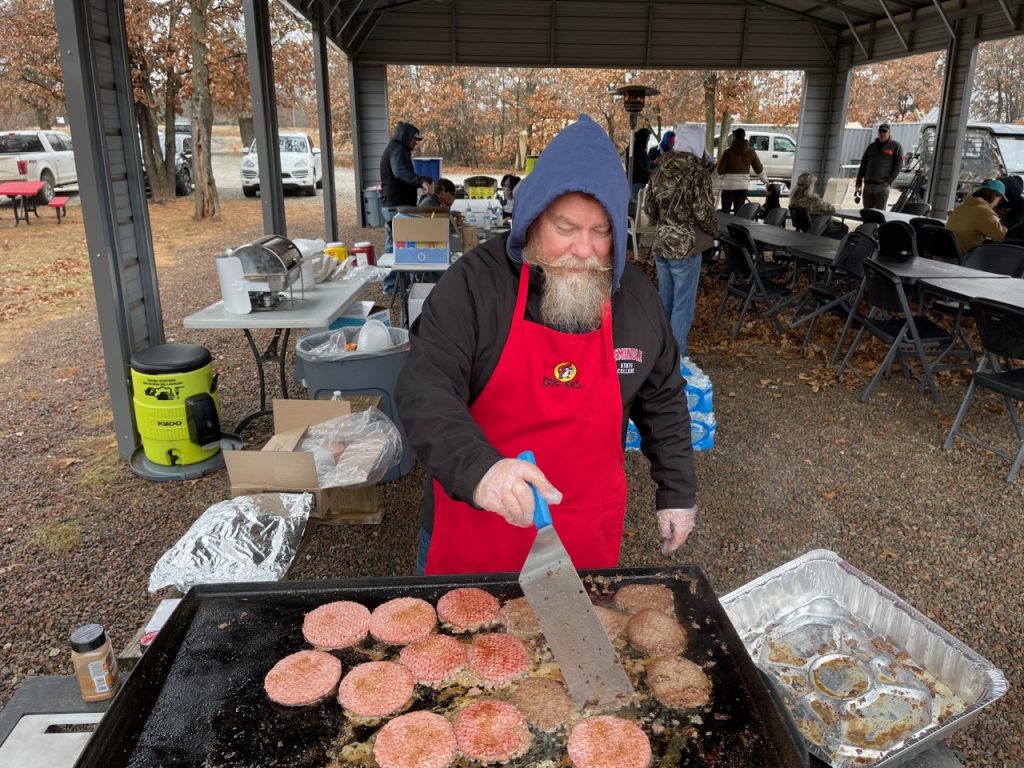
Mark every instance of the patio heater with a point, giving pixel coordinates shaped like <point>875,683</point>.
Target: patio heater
<point>633,99</point>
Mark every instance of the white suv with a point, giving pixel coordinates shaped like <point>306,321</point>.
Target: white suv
<point>300,165</point>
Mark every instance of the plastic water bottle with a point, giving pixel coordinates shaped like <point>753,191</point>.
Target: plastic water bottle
<point>703,428</point>
<point>632,437</point>
<point>699,393</point>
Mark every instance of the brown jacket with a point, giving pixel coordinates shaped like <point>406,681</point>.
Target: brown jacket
<point>973,221</point>
<point>739,158</point>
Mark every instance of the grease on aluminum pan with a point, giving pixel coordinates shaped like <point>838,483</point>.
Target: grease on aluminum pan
<point>868,679</point>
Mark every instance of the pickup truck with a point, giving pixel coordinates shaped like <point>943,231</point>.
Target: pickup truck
<point>46,156</point>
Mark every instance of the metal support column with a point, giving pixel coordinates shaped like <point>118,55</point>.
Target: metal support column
<point>325,121</point>
<point>264,112</point>
<point>98,85</point>
<point>958,80</point>
<point>822,117</point>
<point>371,126</point>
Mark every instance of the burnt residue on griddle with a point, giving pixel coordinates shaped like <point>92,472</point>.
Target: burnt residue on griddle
<point>212,712</point>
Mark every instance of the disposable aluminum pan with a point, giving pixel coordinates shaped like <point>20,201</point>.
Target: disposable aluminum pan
<point>869,680</point>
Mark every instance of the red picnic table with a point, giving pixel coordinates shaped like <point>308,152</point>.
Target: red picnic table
<point>23,193</point>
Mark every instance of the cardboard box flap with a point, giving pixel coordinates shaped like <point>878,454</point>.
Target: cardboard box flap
<point>271,471</point>
<point>290,415</point>
<point>416,229</point>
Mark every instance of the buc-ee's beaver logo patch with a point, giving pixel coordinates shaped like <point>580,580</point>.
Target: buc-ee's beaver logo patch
<point>563,375</point>
<point>565,372</point>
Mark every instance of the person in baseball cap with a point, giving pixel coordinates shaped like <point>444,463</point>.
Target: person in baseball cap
<point>975,218</point>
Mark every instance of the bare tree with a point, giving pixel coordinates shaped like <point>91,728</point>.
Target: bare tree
<point>207,199</point>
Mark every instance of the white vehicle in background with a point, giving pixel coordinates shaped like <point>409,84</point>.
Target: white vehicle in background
<point>46,156</point>
<point>300,165</point>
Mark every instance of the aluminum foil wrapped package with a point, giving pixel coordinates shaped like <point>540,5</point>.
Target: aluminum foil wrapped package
<point>247,538</point>
<point>354,450</point>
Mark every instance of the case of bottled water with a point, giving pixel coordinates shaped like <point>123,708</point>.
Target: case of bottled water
<point>632,437</point>
<point>700,402</point>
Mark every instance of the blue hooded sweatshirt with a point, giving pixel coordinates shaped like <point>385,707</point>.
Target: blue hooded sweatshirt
<point>581,158</point>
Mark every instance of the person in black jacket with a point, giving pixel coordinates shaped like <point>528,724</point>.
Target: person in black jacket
<point>880,164</point>
<point>545,339</point>
<point>399,182</point>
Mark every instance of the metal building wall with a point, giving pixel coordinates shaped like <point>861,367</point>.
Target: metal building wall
<point>371,125</point>
<point>94,60</point>
<point>822,115</point>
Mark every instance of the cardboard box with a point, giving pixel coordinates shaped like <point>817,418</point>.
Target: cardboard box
<point>420,240</point>
<point>417,295</point>
<point>360,313</point>
<point>279,467</point>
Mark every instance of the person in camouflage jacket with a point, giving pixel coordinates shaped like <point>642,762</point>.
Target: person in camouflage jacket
<point>681,205</point>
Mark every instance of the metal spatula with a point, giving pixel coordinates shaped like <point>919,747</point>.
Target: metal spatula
<point>592,671</point>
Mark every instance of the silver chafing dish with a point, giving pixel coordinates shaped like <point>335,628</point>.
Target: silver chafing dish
<point>260,270</point>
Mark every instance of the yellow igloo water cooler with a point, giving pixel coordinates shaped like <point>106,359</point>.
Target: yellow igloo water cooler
<point>176,409</point>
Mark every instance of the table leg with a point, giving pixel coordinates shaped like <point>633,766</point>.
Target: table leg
<point>24,203</point>
<point>272,353</point>
<point>403,292</point>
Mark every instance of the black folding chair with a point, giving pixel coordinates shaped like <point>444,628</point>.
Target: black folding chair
<point>835,291</point>
<point>868,228</point>
<point>801,219</point>
<point>917,208</point>
<point>748,211</point>
<point>998,258</point>
<point>772,270</point>
<point>872,215</point>
<point>747,284</point>
<point>897,241</point>
<point>1001,328</point>
<point>820,225</point>
<point>892,321</point>
<point>937,242</point>
<point>776,217</point>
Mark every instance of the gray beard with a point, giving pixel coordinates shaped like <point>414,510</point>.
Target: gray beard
<point>571,301</point>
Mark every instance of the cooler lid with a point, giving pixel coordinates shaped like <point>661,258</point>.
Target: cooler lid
<point>171,358</point>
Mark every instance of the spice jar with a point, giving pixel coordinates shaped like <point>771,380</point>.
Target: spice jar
<point>95,665</point>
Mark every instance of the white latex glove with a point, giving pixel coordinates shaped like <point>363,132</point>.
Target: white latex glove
<point>505,490</point>
<point>675,525</point>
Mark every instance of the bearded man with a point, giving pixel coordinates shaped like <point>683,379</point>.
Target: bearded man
<point>544,339</point>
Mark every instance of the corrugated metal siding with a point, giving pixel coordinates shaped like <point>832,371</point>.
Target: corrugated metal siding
<point>596,34</point>
<point>371,125</point>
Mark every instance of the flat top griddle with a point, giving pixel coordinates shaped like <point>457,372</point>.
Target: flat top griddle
<point>196,698</point>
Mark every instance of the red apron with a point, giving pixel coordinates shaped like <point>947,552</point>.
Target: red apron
<point>556,394</point>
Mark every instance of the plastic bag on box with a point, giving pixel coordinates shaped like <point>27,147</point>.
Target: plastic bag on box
<point>247,538</point>
<point>354,450</point>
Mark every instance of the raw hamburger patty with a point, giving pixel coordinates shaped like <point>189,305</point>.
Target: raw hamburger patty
<point>614,623</point>
<point>416,740</point>
<point>433,659</point>
<point>376,689</point>
<point>336,625</point>
<point>492,731</point>
<point>678,682</point>
<point>519,618</point>
<point>655,634</point>
<point>402,621</point>
<point>467,609</point>
<point>498,658</point>
<point>545,702</point>
<point>302,678</point>
<point>608,742</point>
<point>636,597</point>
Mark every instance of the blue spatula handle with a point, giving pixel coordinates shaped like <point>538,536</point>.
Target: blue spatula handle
<point>541,513</point>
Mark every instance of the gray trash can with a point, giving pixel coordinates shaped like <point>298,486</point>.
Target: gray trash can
<point>356,373</point>
<point>372,208</point>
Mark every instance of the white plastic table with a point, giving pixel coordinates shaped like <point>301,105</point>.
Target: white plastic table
<point>317,308</point>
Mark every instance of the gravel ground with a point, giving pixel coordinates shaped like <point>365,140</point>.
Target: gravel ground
<point>800,464</point>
